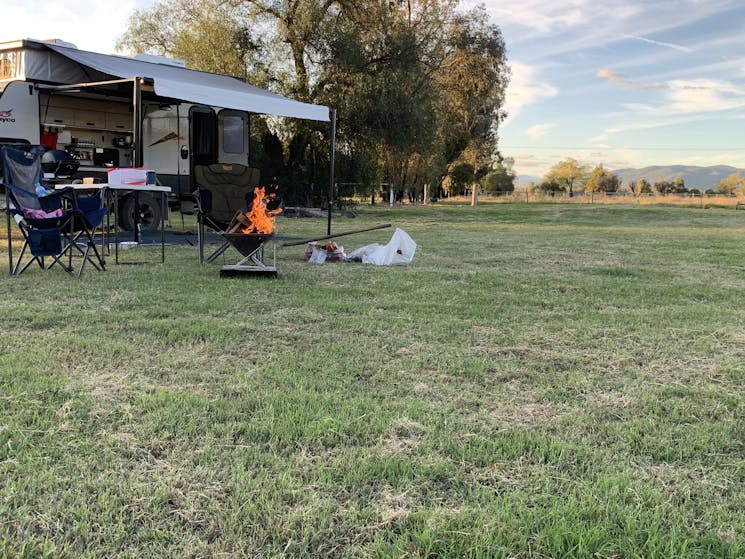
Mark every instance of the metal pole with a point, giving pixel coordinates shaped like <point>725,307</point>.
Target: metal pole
<point>178,167</point>
<point>332,116</point>
<point>137,124</point>
<point>10,240</point>
<point>335,235</point>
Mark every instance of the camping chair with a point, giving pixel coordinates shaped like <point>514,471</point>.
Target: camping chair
<point>90,213</point>
<point>51,222</point>
<point>222,191</point>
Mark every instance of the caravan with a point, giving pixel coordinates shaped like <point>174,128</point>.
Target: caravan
<point>95,112</point>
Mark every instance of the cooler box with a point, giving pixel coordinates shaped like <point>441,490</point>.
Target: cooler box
<point>131,176</point>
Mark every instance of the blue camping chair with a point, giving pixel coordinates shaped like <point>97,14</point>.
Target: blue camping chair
<point>89,215</point>
<point>52,223</point>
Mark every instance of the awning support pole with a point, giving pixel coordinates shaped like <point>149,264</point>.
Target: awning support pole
<point>332,117</point>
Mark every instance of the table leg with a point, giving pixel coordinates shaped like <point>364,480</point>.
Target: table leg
<point>163,211</point>
<point>136,216</point>
<point>116,226</point>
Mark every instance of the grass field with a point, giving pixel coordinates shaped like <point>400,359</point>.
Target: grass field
<point>544,381</point>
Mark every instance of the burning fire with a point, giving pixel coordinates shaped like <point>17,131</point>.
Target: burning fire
<point>259,218</point>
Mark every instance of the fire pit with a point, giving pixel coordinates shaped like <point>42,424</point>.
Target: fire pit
<point>248,232</point>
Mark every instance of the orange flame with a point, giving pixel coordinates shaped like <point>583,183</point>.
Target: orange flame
<point>260,219</point>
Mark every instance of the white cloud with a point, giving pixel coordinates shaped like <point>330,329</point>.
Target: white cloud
<point>610,75</point>
<point>89,25</point>
<point>530,164</point>
<point>538,15</point>
<point>684,102</point>
<point>544,30</point>
<point>624,82</point>
<point>733,159</point>
<point>538,130</point>
<point>687,97</point>
<point>525,89</point>
<point>704,95</point>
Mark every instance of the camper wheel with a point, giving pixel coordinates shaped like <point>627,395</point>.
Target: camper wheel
<point>149,212</point>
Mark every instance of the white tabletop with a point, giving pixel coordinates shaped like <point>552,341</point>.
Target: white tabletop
<point>129,187</point>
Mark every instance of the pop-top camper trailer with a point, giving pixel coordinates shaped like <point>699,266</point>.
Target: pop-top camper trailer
<point>107,111</point>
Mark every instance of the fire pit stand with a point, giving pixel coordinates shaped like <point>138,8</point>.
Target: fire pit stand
<point>251,247</point>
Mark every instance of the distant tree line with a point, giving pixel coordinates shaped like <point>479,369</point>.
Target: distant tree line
<point>418,85</point>
<point>570,176</point>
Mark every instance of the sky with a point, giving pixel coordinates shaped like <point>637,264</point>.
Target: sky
<point>625,83</point>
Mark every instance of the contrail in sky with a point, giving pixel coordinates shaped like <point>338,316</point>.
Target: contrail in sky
<point>659,43</point>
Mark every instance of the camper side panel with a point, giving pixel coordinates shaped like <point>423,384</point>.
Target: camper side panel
<point>19,113</point>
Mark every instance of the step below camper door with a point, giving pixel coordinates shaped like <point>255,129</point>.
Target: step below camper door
<point>232,136</point>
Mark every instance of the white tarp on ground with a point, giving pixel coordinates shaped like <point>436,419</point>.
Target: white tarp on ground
<point>194,86</point>
<point>398,252</point>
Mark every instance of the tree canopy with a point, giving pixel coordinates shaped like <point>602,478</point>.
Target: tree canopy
<point>731,184</point>
<point>602,180</point>
<point>418,85</point>
<point>567,174</point>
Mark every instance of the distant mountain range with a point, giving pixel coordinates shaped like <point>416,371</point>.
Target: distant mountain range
<point>694,176</point>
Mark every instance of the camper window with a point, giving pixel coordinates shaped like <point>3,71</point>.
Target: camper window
<point>9,67</point>
<point>232,134</point>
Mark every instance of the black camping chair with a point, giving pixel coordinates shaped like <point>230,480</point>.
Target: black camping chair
<point>51,222</point>
<point>222,191</point>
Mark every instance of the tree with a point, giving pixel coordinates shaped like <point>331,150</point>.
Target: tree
<point>462,177</point>
<point>601,180</point>
<point>471,82</point>
<point>680,185</point>
<point>549,186</point>
<point>418,86</point>
<point>731,184</point>
<point>641,186</point>
<point>500,178</point>
<point>207,35</point>
<point>664,187</point>
<point>383,91</point>
<point>250,40</point>
<point>568,174</point>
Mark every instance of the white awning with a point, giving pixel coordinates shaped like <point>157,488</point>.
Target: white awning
<point>196,87</point>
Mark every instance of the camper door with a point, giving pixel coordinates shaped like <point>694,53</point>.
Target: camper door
<point>202,137</point>
<point>217,137</point>
<point>162,135</point>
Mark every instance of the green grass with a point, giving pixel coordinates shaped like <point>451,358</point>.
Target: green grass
<point>543,381</point>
